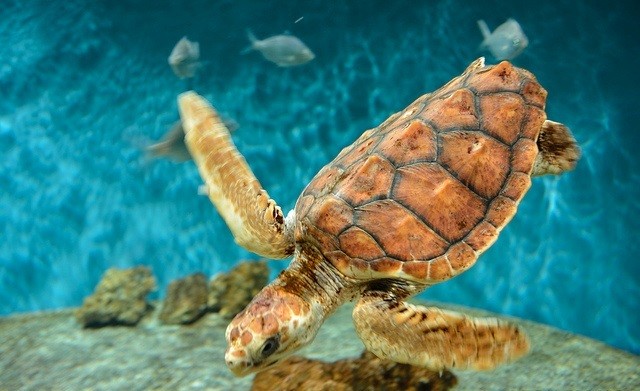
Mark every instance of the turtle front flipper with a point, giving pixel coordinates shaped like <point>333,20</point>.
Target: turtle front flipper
<point>435,338</point>
<point>255,220</point>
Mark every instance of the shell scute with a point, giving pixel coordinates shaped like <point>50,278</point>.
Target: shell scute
<point>533,122</point>
<point>355,267</point>
<point>318,237</point>
<point>448,206</point>
<point>524,155</point>
<point>501,211</point>
<point>479,161</point>
<point>304,204</point>
<point>415,141</point>
<point>482,236</point>
<point>456,110</point>
<point>517,184</point>
<point>385,266</point>
<point>368,180</point>
<point>340,260</point>
<point>501,114</point>
<point>417,269</point>
<point>331,214</point>
<point>324,182</point>
<point>501,77</point>
<point>400,234</point>
<point>461,256</point>
<point>533,93</point>
<point>439,269</point>
<point>356,152</point>
<point>356,242</point>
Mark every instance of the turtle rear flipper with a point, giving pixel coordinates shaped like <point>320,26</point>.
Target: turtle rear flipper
<point>557,150</point>
<point>255,220</point>
<point>435,338</point>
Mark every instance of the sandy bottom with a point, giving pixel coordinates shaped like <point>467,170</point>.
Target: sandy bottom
<point>49,350</point>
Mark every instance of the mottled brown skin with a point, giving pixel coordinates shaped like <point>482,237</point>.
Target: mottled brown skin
<point>411,203</point>
<point>363,373</point>
<point>428,191</point>
<point>252,216</point>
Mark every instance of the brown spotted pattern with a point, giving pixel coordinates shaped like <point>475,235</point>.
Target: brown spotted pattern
<point>436,338</point>
<point>424,194</point>
<point>272,313</point>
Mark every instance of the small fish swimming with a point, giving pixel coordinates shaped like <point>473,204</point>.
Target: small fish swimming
<point>172,145</point>
<point>184,58</point>
<point>505,42</point>
<point>284,50</point>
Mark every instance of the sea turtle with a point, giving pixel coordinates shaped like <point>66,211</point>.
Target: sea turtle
<point>411,203</point>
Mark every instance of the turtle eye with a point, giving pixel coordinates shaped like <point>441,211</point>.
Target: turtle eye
<point>270,346</point>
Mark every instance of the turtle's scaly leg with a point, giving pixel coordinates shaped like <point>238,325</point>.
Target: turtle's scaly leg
<point>558,151</point>
<point>256,221</point>
<point>434,338</point>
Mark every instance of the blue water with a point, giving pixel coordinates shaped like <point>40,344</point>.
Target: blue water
<point>85,84</point>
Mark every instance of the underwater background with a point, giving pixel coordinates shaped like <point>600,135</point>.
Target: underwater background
<point>85,86</point>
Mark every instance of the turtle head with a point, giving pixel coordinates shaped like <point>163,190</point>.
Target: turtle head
<point>275,324</point>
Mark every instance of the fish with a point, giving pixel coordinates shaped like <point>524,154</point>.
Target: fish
<point>506,42</point>
<point>184,58</point>
<point>172,145</point>
<point>284,50</point>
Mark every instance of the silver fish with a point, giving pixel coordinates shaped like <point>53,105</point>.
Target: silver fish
<point>284,50</point>
<point>505,42</point>
<point>172,145</point>
<point>184,58</point>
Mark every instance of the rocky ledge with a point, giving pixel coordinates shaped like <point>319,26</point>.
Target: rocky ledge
<point>52,351</point>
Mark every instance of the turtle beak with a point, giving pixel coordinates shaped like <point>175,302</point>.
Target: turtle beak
<point>238,363</point>
<point>240,368</point>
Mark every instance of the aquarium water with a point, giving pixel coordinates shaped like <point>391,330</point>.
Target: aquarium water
<point>85,86</point>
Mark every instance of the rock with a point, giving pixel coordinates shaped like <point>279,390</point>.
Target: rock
<point>119,298</point>
<point>186,300</point>
<point>367,372</point>
<point>230,292</point>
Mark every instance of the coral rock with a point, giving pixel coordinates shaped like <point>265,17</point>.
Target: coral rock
<point>119,298</point>
<point>230,292</point>
<point>186,300</point>
<point>367,372</point>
